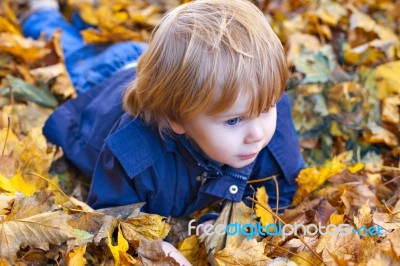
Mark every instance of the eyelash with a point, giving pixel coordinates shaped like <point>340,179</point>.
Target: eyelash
<point>236,120</point>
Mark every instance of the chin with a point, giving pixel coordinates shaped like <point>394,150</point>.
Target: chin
<point>240,164</point>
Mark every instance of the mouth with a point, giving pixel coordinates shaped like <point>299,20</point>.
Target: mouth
<point>247,156</point>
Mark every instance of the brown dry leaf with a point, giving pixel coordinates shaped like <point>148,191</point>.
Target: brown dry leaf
<point>37,231</point>
<point>149,226</point>
<point>384,258</point>
<point>378,134</point>
<point>299,41</point>
<point>357,193</point>
<point>108,224</point>
<point>91,222</point>
<point>193,250</point>
<point>391,242</point>
<point>25,207</point>
<point>151,253</point>
<point>390,109</point>
<point>265,216</point>
<point>387,221</point>
<point>248,252</point>
<point>343,247</point>
<point>234,214</point>
<point>76,258</point>
<point>364,216</point>
<point>24,117</point>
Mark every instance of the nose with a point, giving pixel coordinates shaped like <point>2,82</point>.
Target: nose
<point>255,131</point>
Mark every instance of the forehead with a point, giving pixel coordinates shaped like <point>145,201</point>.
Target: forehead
<point>239,107</point>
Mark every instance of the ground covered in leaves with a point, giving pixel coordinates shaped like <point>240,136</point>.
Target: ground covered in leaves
<point>345,93</point>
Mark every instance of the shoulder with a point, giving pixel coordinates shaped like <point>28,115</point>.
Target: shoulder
<point>135,144</point>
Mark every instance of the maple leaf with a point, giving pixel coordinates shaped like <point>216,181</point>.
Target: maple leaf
<point>24,207</point>
<point>37,231</point>
<point>244,253</point>
<point>149,226</point>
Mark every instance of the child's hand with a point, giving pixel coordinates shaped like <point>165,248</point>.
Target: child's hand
<point>171,251</point>
<point>201,229</point>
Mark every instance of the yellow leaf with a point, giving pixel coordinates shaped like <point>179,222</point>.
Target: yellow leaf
<point>355,168</point>
<point>149,226</point>
<point>6,186</point>
<point>193,250</point>
<point>330,12</point>
<point>266,217</point>
<point>75,257</point>
<point>121,247</point>
<point>310,179</point>
<point>306,255</point>
<point>388,79</point>
<point>336,218</point>
<point>19,183</point>
<point>28,49</point>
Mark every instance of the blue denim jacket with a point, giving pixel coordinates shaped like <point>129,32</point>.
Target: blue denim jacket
<point>130,162</point>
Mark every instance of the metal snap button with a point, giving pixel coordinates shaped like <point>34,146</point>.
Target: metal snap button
<point>233,189</point>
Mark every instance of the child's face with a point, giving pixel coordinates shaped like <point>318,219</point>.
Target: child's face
<point>232,137</point>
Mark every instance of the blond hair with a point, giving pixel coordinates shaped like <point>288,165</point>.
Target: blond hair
<point>201,57</point>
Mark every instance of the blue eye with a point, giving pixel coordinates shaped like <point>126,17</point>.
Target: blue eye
<point>233,121</point>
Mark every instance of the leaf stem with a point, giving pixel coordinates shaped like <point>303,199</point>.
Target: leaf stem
<point>51,183</point>
<point>277,217</point>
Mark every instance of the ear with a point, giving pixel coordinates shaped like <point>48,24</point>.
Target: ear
<point>176,127</point>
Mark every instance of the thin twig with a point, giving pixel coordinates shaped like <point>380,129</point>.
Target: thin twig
<point>8,131</point>
<point>260,180</point>
<point>301,239</point>
<point>51,183</point>
<point>294,254</point>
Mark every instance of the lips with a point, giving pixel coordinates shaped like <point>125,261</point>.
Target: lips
<point>247,156</point>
